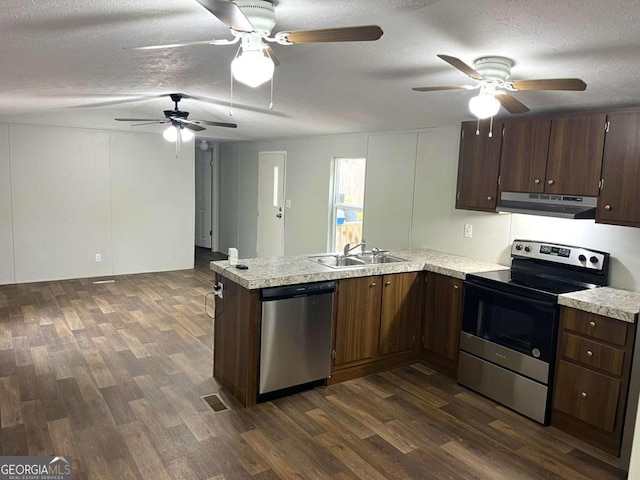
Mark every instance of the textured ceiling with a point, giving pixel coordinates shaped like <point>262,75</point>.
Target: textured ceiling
<point>63,62</point>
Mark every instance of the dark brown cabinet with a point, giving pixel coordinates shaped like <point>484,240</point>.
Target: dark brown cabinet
<point>442,317</point>
<point>375,316</point>
<point>618,202</point>
<point>357,327</point>
<point>478,164</point>
<point>574,162</point>
<point>559,155</point>
<point>400,311</point>
<point>523,162</point>
<point>592,377</point>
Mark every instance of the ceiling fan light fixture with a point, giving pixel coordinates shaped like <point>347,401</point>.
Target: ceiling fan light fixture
<point>186,135</point>
<point>253,68</point>
<point>171,134</point>
<point>484,105</point>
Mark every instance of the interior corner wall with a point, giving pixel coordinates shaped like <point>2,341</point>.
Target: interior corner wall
<point>61,202</point>
<point>153,204</point>
<point>7,273</point>
<point>248,153</point>
<point>436,223</point>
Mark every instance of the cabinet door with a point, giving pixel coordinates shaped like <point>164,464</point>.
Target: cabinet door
<point>443,316</point>
<point>478,167</point>
<point>575,155</point>
<point>357,335</point>
<point>618,201</point>
<point>525,144</point>
<point>586,395</point>
<point>400,312</point>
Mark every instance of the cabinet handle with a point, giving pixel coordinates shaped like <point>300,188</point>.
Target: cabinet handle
<point>607,207</point>
<point>536,181</point>
<point>592,323</point>
<point>456,287</point>
<point>489,198</point>
<point>584,395</point>
<point>589,353</point>
<point>387,283</point>
<point>550,182</point>
<point>372,285</point>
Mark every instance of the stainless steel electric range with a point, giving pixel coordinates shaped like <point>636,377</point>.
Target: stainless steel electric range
<point>510,322</point>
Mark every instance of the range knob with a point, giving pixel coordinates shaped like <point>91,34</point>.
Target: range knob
<point>518,247</point>
<point>593,259</point>
<point>527,248</point>
<point>582,258</point>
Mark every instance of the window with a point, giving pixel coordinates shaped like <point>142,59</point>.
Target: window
<point>348,202</point>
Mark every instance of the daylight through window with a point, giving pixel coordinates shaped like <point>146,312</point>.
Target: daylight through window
<point>348,202</point>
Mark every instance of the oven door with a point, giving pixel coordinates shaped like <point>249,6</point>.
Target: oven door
<point>515,321</point>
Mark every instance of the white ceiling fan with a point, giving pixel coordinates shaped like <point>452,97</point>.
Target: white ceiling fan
<point>251,23</point>
<point>492,76</point>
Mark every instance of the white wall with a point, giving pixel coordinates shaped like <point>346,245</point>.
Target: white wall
<point>77,192</point>
<point>153,204</point>
<point>7,274</point>
<point>61,202</point>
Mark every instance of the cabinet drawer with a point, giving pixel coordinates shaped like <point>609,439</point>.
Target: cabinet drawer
<point>593,354</point>
<point>597,326</point>
<point>586,395</point>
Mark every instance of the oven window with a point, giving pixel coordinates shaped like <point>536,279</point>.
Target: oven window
<point>519,323</point>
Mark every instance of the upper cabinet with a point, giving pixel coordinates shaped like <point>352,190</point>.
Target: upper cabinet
<point>621,171</point>
<point>574,162</point>
<point>523,163</point>
<point>553,155</point>
<point>478,166</point>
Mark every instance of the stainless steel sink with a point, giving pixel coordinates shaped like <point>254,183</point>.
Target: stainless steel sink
<point>351,261</point>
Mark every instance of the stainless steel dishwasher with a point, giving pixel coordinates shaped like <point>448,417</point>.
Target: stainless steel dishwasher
<point>295,343</point>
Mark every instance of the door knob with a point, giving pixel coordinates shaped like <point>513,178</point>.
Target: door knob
<point>278,215</point>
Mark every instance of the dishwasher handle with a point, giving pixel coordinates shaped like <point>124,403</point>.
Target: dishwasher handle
<point>292,291</point>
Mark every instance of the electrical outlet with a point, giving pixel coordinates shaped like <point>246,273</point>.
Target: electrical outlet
<point>217,289</point>
<point>468,230</point>
<point>98,257</point>
<point>288,203</point>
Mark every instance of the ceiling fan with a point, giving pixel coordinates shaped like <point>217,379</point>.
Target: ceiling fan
<point>251,23</point>
<point>492,76</point>
<point>179,122</point>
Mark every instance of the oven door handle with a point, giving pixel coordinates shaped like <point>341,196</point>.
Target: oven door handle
<point>542,303</point>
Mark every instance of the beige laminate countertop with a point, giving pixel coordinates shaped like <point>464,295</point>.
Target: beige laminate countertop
<point>609,302</point>
<point>277,271</point>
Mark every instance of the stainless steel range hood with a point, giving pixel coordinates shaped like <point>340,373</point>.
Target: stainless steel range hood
<point>563,206</point>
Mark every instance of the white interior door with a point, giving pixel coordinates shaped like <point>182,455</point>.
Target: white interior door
<point>203,198</point>
<point>271,167</point>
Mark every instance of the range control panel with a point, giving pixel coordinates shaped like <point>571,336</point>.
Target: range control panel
<point>556,253</point>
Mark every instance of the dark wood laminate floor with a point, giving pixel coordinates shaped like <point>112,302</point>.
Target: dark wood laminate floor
<point>113,375</point>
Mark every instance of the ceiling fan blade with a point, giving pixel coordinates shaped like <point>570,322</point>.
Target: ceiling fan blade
<point>192,126</point>
<point>228,13</point>
<point>437,89</point>
<point>551,84</point>
<point>272,54</point>
<point>511,103</point>
<point>171,45</point>
<point>364,33</point>
<point>157,122</point>
<point>219,124</point>
<point>460,65</point>
<point>138,120</point>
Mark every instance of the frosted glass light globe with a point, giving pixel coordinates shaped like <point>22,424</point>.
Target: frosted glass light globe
<point>252,68</point>
<point>484,105</point>
<point>186,134</point>
<point>170,134</point>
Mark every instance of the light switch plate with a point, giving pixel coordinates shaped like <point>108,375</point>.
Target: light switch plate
<point>468,230</point>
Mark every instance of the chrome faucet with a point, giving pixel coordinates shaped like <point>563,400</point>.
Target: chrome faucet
<point>348,247</point>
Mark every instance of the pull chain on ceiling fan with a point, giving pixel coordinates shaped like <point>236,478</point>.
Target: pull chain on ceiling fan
<point>492,76</point>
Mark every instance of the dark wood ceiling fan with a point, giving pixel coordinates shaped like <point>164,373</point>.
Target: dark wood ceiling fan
<point>492,77</point>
